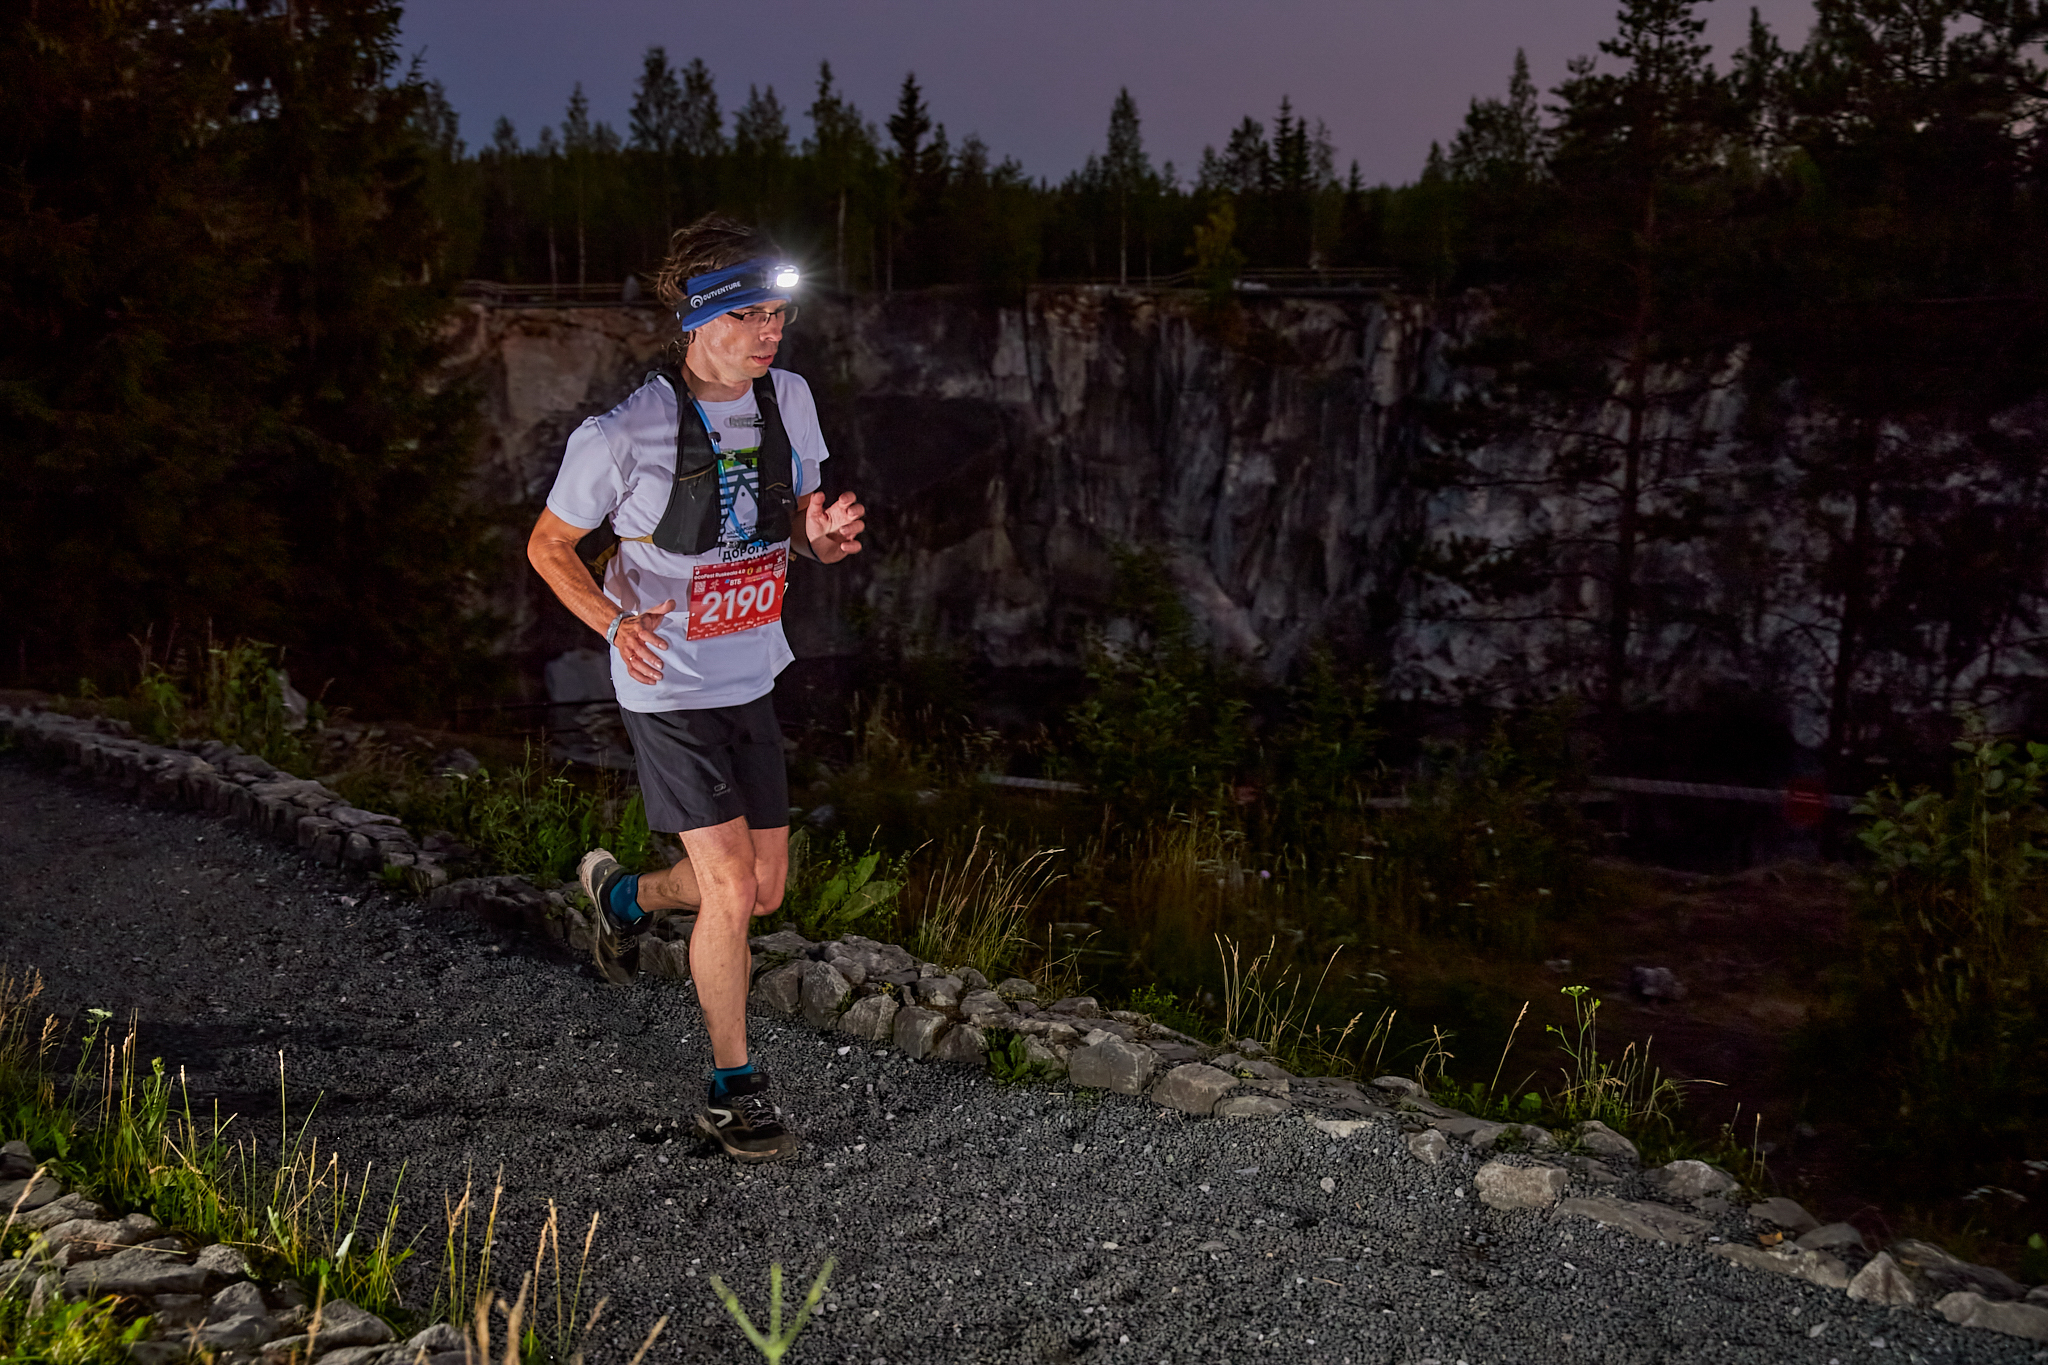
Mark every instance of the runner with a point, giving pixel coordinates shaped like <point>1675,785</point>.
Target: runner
<point>704,472</point>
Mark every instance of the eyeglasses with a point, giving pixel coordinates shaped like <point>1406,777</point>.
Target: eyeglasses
<point>765,317</point>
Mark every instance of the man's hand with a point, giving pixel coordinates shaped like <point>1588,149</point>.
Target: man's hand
<point>833,532</point>
<point>638,638</point>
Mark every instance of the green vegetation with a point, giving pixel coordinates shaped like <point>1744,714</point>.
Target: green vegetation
<point>1953,977</point>
<point>90,1332</point>
<point>833,893</point>
<point>774,1343</point>
<point>124,1137</point>
<point>220,353</point>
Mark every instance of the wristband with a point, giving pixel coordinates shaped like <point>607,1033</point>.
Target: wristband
<point>611,632</point>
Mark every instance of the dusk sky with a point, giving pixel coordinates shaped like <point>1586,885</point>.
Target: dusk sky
<point>1036,80</point>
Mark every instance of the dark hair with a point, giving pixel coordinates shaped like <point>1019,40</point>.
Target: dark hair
<point>713,242</point>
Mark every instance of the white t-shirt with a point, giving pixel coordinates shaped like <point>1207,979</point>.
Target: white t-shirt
<point>622,465</point>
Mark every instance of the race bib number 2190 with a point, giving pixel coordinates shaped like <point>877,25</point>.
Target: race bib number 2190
<point>726,598</point>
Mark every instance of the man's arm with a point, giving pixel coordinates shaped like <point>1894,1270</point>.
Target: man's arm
<point>551,549</point>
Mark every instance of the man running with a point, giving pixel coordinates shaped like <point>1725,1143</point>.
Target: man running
<point>709,475</point>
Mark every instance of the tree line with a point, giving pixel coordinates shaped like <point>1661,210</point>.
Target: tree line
<point>872,206</point>
<point>237,229</point>
<point>1778,323</point>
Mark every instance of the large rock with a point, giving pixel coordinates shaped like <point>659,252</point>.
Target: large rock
<point>983,1007</point>
<point>1502,1186</point>
<point>917,1031</point>
<point>873,1018</point>
<point>1193,1088</point>
<point>1427,1146</point>
<point>1939,1273</point>
<point>1603,1142</point>
<point>1112,1064</point>
<point>28,1195</point>
<point>1342,1129</point>
<point>1833,1237</point>
<point>1966,1309</point>
<point>1883,1283</point>
<point>780,989</point>
<point>134,1271</point>
<point>341,1324</point>
<point>61,1210</point>
<point>1788,1214</point>
<point>1250,1107</point>
<point>1815,1267</point>
<point>1653,1222</point>
<point>964,1045</point>
<point>938,992</point>
<point>823,994</point>
<point>1689,1180</point>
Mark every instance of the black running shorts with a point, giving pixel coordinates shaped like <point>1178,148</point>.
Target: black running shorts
<point>705,768</point>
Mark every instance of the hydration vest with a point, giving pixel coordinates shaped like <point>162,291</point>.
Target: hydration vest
<point>691,522</point>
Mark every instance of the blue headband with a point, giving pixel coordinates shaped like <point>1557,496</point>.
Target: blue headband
<point>734,288</point>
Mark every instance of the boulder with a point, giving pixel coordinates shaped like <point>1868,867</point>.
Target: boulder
<point>1016,988</point>
<point>1883,1283</point>
<point>780,989</point>
<point>1966,1309</point>
<point>134,1271</point>
<point>1502,1186</point>
<point>916,1031</point>
<point>1193,1088</point>
<point>983,1007</point>
<point>964,1045</point>
<point>1833,1237</point>
<point>1937,1273</point>
<point>1428,1146</point>
<point>1601,1141</point>
<point>823,992</point>
<point>1788,1214</point>
<point>873,1019</point>
<point>29,1194</point>
<point>340,1324</point>
<point>1652,1222</point>
<point>1689,1180</point>
<point>1078,1007</point>
<point>1250,1107</point>
<point>938,992</point>
<point>1112,1064</point>
<point>61,1210</point>
<point>223,1262</point>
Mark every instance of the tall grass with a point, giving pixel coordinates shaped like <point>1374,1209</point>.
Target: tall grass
<point>128,1137</point>
<point>976,906</point>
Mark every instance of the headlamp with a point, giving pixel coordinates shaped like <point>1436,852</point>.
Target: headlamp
<point>734,288</point>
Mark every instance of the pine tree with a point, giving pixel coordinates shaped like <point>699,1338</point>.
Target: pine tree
<point>656,120</point>
<point>1127,172</point>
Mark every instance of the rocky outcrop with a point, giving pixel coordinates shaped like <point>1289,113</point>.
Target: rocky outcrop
<point>1282,468</point>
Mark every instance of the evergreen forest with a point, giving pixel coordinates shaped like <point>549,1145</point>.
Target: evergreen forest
<point>236,230</point>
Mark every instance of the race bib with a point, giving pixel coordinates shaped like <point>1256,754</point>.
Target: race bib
<point>725,598</point>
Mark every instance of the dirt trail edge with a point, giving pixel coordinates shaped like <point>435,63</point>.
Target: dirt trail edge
<point>971,1222</point>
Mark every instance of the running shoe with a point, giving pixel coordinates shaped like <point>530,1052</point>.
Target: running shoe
<point>746,1123</point>
<point>614,947</point>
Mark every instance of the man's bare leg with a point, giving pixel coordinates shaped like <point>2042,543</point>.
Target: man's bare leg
<point>731,875</point>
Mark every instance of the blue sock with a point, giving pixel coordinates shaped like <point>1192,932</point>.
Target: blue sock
<point>623,901</point>
<point>722,1076</point>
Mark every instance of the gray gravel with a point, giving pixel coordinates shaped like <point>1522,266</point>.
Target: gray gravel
<point>970,1222</point>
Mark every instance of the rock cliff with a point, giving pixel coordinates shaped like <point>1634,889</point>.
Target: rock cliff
<point>1007,453</point>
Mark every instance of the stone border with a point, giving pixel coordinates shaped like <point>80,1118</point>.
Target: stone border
<point>880,993</point>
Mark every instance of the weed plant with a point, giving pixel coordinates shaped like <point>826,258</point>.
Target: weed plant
<point>129,1138</point>
<point>1953,928</point>
<point>774,1343</point>
<point>93,1332</point>
<point>832,892</point>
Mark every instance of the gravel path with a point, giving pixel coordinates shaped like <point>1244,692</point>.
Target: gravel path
<point>970,1222</point>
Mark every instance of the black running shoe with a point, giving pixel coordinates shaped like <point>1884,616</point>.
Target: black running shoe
<point>745,1123</point>
<point>614,947</point>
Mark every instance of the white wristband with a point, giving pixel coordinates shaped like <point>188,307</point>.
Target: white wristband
<point>611,632</point>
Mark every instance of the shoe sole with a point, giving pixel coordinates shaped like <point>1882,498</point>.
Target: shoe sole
<point>709,1131</point>
<point>605,945</point>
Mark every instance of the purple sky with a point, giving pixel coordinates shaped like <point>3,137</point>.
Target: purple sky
<point>1036,79</point>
